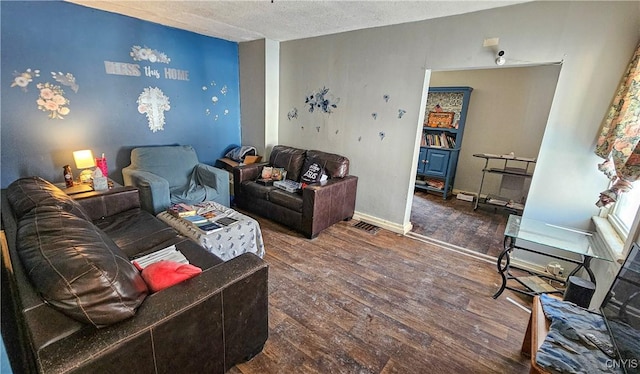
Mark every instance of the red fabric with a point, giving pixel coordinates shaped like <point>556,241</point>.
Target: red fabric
<point>163,274</point>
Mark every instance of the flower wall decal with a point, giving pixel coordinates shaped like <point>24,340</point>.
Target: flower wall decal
<point>293,113</point>
<point>52,100</point>
<point>22,80</point>
<point>66,79</point>
<point>153,103</point>
<point>322,100</point>
<point>147,54</point>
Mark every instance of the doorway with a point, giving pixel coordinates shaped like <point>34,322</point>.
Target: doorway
<point>508,112</point>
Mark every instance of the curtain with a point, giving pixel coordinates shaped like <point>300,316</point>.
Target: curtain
<point>619,139</point>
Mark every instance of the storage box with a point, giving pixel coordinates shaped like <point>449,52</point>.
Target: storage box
<point>229,164</point>
<point>465,197</point>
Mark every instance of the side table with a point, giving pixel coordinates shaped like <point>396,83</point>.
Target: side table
<point>84,188</point>
<point>521,233</point>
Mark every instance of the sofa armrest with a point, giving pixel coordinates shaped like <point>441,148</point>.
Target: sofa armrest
<point>328,203</point>
<point>222,312</point>
<point>249,172</point>
<point>153,189</point>
<point>105,204</point>
<point>216,178</point>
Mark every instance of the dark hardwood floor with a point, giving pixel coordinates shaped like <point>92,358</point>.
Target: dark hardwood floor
<point>454,221</point>
<point>354,302</point>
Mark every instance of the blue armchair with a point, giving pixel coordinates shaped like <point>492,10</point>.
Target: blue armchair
<point>172,174</point>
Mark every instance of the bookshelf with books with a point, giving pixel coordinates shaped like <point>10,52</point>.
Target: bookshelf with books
<point>444,122</point>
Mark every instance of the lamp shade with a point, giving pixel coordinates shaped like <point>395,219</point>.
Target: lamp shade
<point>84,159</point>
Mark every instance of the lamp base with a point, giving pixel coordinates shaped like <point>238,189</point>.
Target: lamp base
<point>86,176</point>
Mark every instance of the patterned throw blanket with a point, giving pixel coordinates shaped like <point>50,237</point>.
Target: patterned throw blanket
<point>563,350</point>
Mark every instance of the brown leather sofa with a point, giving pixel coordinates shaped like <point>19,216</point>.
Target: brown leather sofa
<point>311,210</point>
<point>71,303</point>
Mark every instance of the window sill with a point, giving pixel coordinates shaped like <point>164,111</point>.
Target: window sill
<point>613,242</point>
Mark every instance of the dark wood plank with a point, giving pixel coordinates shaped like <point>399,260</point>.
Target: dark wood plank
<point>454,221</point>
<point>352,302</point>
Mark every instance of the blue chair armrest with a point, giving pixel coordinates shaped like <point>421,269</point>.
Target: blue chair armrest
<point>153,189</point>
<point>218,179</point>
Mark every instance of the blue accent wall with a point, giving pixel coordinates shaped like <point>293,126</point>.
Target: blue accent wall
<point>60,37</point>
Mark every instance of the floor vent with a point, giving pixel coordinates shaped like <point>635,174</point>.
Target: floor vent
<point>371,229</point>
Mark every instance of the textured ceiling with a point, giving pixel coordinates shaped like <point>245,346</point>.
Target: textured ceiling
<point>282,20</point>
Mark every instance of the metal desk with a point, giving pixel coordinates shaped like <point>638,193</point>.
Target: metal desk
<point>521,231</point>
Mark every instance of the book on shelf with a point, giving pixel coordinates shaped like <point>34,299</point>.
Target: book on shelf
<point>441,140</point>
<point>181,210</point>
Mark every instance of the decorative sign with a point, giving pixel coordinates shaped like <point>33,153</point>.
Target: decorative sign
<point>153,103</point>
<point>440,119</point>
<point>146,54</point>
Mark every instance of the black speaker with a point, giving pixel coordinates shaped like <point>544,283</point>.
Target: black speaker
<point>579,291</point>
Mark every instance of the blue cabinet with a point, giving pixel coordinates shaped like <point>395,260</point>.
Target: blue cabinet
<point>444,121</point>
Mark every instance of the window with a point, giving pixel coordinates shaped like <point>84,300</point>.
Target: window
<point>624,211</point>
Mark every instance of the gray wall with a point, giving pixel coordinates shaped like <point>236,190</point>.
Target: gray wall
<point>507,113</point>
<point>593,40</point>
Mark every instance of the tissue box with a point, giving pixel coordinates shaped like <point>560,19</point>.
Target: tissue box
<point>100,183</point>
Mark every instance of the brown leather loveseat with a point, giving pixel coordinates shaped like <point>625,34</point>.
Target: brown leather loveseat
<point>316,206</point>
<point>73,302</point>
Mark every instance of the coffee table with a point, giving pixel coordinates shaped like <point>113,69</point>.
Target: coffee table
<point>243,236</point>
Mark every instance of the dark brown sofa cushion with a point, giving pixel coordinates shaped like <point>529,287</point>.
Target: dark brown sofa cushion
<point>335,166</point>
<point>77,268</point>
<point>27,193</point>
<point>286,199</point>
<point>289,158</point>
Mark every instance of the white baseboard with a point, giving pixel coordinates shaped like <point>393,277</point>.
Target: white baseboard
<point>394,227</point>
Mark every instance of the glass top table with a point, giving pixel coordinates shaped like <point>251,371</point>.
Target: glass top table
<point>558,237</point>
<point>520,232</point>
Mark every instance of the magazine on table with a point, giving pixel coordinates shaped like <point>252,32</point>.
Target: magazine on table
<point>171,253</point>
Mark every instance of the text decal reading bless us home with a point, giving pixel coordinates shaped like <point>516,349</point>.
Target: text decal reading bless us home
<point>146,54</point>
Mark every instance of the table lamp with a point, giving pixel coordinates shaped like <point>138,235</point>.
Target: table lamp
<point>84,160</point>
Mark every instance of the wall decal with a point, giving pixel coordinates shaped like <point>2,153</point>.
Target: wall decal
<point>322,100</point>
<point>220,106</point>
<point>66,80</point>
<point>52,100</point>
<point>153,103</point>
<point>147,54</point>
<point>374,115</point>
<point>386,98</point>
<point>381,134</point>
<point>293,113</point>
<point>401,113</point>
<point>22,80</point>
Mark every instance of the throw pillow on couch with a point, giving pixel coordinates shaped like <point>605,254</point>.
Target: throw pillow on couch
<point>74,265</point>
